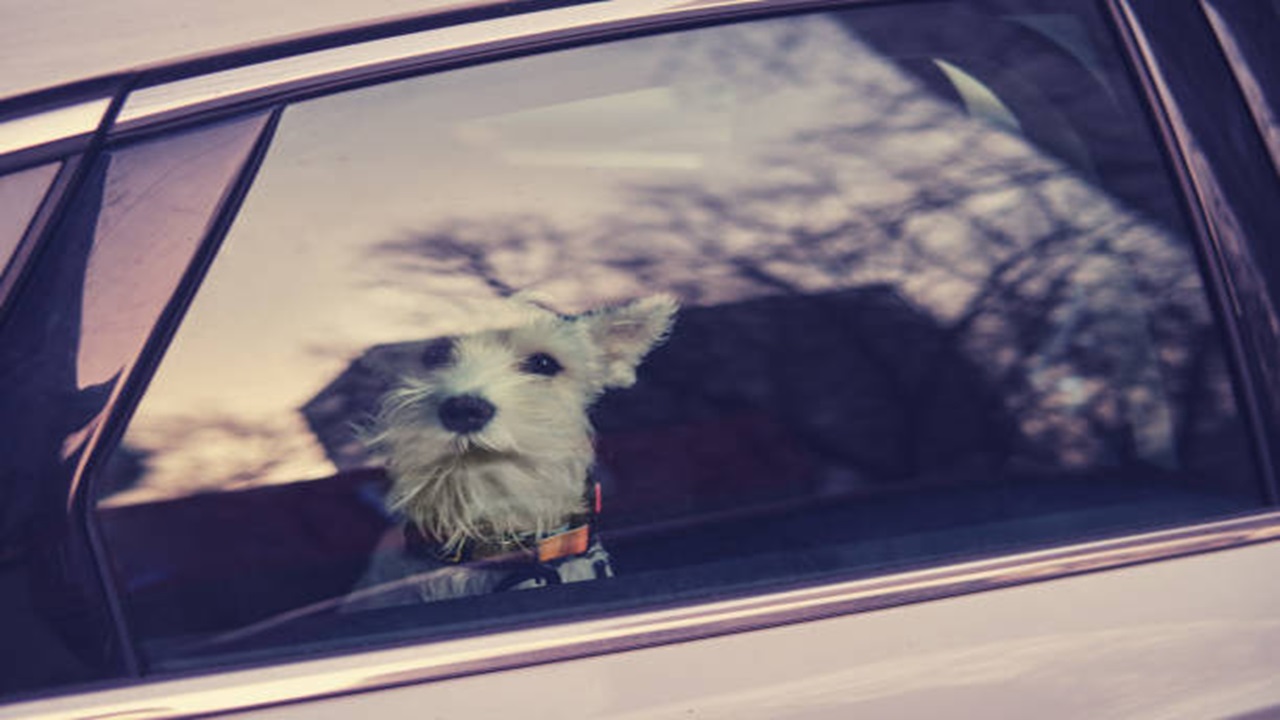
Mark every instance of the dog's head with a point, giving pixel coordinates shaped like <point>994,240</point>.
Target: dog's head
<point>489,437</point>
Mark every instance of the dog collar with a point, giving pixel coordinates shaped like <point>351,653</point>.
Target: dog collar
<point>574,538</point>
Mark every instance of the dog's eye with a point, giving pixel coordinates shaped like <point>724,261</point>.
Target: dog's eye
<point>437,354</point>
<point>541,364</point>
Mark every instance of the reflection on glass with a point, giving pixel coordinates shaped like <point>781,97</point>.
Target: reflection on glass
<point>86,310</point>
<point>20,196</point>
<point>160,201</point>
<point>1247,32</point>
<point>786,157</point>
<point>942,267</point>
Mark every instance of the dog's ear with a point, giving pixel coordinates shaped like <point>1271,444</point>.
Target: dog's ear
<point>626,333</point>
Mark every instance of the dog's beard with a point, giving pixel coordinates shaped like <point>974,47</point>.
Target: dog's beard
<point>492,485</point>
<point>485,497</point>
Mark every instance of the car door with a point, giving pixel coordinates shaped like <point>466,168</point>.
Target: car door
<point>969,375</point>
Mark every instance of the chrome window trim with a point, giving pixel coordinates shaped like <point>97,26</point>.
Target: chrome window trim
<point>376,58</point>
<point>48,126</point>
<point>426,662</point>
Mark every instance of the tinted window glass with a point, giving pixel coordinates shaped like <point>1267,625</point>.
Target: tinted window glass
<point>20,196</point>
<point>935,300</point>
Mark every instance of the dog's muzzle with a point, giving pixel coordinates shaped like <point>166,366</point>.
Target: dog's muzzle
<point>464,414</point>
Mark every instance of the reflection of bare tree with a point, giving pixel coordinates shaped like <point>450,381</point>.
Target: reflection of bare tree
<point>1087,318</point>
<point>841,178</point>
<point>507,254</point>
<point>203,453</point>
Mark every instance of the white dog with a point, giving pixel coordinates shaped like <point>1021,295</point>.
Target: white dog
<point>489,449</point>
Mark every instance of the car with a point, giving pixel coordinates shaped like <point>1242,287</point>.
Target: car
<point>970,404</point>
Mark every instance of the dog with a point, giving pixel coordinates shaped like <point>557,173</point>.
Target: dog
<point>489,448</point>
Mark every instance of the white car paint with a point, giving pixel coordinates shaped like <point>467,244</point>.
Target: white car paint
<point>49,42</point>
<point>1195,637</point>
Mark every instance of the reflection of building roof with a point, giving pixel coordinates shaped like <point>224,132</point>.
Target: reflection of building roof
<point>770,395</point>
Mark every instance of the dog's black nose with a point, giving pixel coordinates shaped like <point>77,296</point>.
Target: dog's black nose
<point>466,413</point>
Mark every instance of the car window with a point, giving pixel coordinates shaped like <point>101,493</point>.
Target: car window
<point>20,196</point>
<point>685,315</point>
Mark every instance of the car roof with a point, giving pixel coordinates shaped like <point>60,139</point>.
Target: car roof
<point>46,43</point>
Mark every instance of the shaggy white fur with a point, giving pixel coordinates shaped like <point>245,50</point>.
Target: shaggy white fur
<point>490,441</point>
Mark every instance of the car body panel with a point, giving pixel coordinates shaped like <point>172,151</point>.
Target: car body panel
<point>45,44</point>
<point>1171,640</point>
